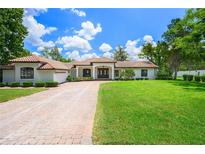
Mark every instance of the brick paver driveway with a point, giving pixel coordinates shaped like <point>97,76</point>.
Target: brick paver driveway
<point>62,115</point>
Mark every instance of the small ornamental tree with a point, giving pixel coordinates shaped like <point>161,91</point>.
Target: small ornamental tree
<point>127,74</point>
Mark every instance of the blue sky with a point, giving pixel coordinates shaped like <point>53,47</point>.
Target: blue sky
<point>86,33</point>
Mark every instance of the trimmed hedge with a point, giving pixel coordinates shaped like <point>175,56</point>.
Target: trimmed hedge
<point>187,77</point>
<point>197,78</point>
<point>15,84</point>
<point>184,77</point>
<point>163,77</point>
<point>190,77</point>
<point>203,78</point>
<point>40,84</point>
<point>51,84</point>
<point>2,84</point>
<point>27,84</point>
<point>84,79</point>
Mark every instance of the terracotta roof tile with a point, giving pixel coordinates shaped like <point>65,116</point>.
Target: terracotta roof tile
<point>46,63</point>
<point>135,64</point>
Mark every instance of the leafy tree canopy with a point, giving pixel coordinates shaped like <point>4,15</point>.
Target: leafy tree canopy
<point>12,34</point>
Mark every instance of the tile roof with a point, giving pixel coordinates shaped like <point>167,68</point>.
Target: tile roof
<point>94,60</point>
<point>135,64</point>
<point>47,64</point>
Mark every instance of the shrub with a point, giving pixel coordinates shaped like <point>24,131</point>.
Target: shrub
<point>185,77</point>
<point>15,84</point>
<point>197,78</point>
<point>163,76</point>
<point>146,78</point>
<point>84,79</point>
<point>127,74</point>
<point>190,77</point>
<point>27,84</point>
<point>2,84</point>
<point>69,78</point>
<point>203,78</point>
<point>40,84</point>
<point>51,84</point>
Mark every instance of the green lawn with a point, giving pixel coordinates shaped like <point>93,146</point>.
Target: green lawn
<point>9,94</point>
<point>150,112</point>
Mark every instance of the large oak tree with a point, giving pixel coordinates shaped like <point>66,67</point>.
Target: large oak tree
<point>12,34</point>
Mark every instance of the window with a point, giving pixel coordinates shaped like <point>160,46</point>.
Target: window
<point>27,73</point>
<point>86,73</point>
<point>116,73</point>
<point>144,73</point>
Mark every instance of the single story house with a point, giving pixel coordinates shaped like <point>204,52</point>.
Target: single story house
<point>34,68</point>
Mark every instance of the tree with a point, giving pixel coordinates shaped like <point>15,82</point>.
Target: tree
<point>175,54</point>
<point>45,52</point>
<point>127,74</point>
<point>148,52</point>
<point>54,54</point>
<point>12,34</point>
<point>62,59</point>
<point>120,54</point>
<point>194,42</point>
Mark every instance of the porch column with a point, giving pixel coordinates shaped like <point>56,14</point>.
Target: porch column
<point>93,72</point>
<point>113,73</point>
<point>76,71</point>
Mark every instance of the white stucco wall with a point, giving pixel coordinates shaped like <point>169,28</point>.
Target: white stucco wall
<point>18,67</point>
<point>45,75</point>
<point>60,76</point>
<point>8,76</point>
<point>39,75</point>
<point>151,72</point>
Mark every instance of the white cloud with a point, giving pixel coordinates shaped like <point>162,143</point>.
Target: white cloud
<point>108,54</point>
<point>34,12</point>
<point>132,49</point>
<point>78,12</point>
<point>73,55</point>
<point>40,48</point>
<point>88,30</point>
<point>88,55</point>
<point>149,39</point>
<point>74,43</point>
<point>60,50</point>
<point>36,53</point>
<point>76,55</point>
<point>105,47</point>
<point>37,30</point>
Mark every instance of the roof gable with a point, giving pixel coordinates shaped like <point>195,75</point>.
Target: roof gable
<point>47,64</point>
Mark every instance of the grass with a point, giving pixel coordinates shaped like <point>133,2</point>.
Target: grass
<point>150,112</point>
<point>9,94</point>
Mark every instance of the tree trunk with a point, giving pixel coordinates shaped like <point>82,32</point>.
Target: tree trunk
<point>175,74</point>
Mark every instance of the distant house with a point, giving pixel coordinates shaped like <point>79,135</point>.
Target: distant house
<point>34,68</point>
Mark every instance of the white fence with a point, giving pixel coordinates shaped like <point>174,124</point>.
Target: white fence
<point>195,72</point>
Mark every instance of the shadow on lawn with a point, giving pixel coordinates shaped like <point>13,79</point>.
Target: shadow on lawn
<point>193,86</point>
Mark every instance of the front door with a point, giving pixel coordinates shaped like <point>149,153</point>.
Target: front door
<point>103,73</point>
